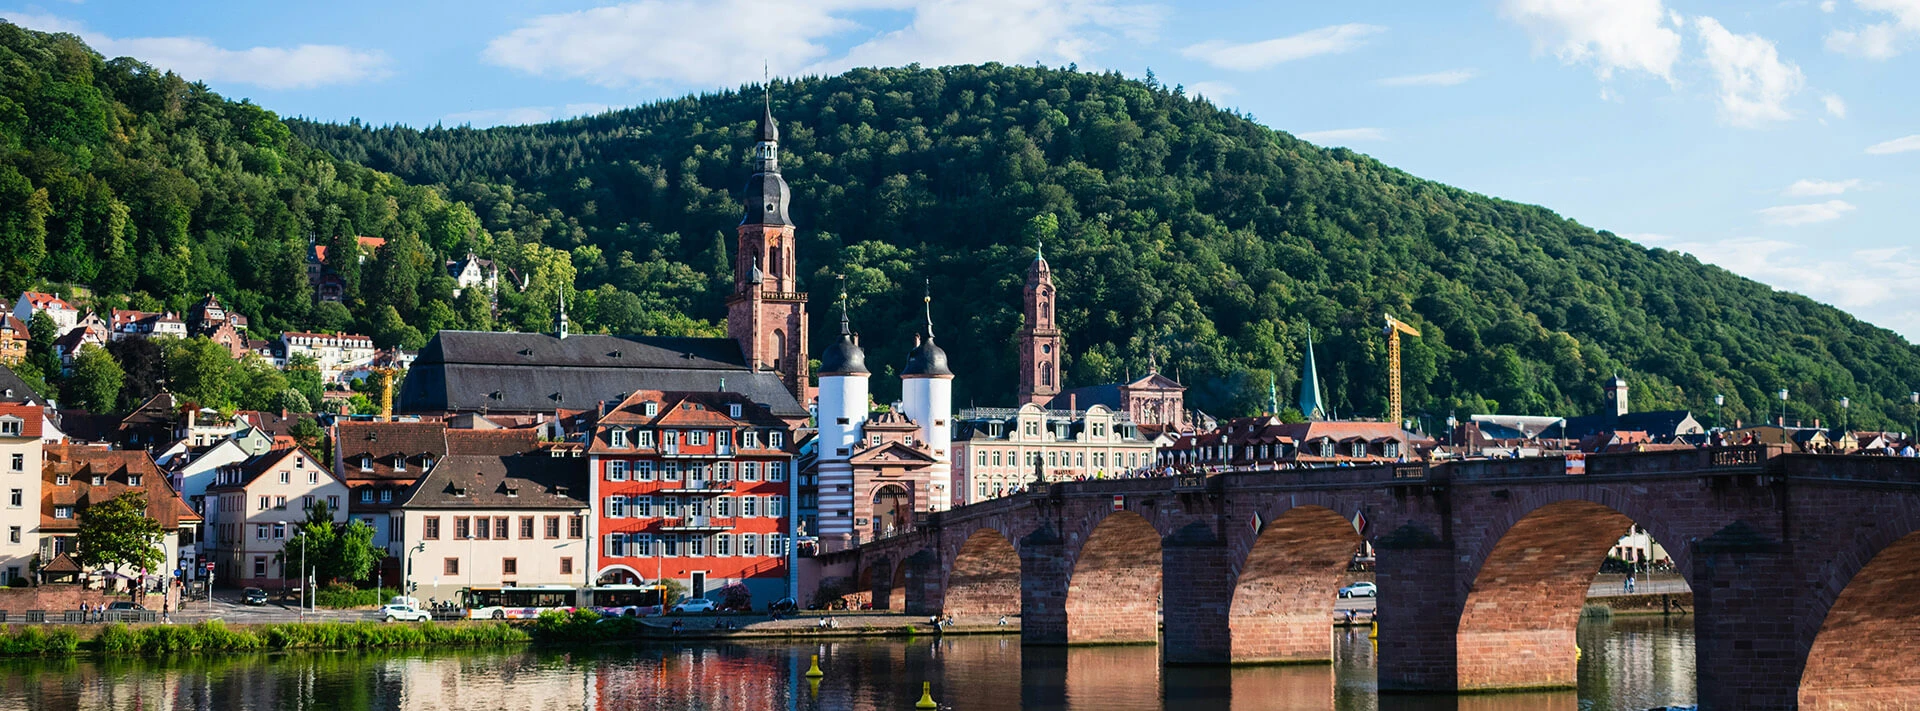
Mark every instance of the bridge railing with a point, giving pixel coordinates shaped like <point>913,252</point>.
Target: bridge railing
<point>1852,467</point>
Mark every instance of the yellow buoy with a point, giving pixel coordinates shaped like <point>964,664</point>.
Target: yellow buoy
<point>813,687</point>
<point>926,697</point>
<point>1577,652</point>
<point>813,672</point>
<point>1374,633</point>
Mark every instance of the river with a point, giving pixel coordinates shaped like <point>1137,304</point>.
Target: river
<point>1627,664</point>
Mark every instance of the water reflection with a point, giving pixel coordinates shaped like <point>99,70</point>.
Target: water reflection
<point>1628,664</point>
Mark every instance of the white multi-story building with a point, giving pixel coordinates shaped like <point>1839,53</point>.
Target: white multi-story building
<point>64,315</point>
<point>997,450</point>
<point>256,508</point>
<point>492,521</point>
<point>332,353</point>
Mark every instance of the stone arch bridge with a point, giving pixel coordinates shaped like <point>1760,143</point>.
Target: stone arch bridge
<point>1805,568</point>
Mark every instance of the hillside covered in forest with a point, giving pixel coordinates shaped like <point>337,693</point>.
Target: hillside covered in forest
<point>1173,227</point>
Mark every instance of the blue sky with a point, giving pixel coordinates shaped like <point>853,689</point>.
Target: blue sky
<point>1778,139</point>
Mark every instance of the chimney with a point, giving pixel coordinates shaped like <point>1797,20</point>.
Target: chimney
<point>1073,401</point>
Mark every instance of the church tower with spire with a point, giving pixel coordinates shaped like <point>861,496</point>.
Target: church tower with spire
<point>767,313</point>
<point>1040,339</point>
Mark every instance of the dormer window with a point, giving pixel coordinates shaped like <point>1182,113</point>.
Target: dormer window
<point>646,438</point>
<point>733,410</point>
<point>652,409</point>
<point>11,427</point>
<point>399,463</point>
<point>426,461</point>
<point>617,437</point>
<point>366,463</point>
<point>133,480</point>
<point>99,481</point>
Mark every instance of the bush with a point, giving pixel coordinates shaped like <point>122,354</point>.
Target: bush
<point>17,583</point>
<point>343,596</point>
<point>583,626</point>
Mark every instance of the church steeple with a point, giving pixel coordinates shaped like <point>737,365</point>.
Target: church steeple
<point>1040,338</point>
<point>1311,404</point>
<point>766,313</point>
<point>560,319</point>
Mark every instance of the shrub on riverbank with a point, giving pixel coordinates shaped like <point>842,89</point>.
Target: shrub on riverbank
<point>214,636</point>
<point>32,641</point>
<point>583,626</point>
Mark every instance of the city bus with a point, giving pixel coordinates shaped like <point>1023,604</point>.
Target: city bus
<point>624,600</point>
<point>513,603</point>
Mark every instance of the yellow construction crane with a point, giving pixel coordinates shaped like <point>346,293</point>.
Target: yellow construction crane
<point>1394,328</point>
<point>387,373</point>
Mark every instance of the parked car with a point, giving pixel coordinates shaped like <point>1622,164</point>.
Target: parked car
<point>254,596</point>
<point>124,605</point>
<point>698,604</point>
<point>404,611</point>
<point>1360,590</point>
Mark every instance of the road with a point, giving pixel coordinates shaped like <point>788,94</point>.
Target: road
<point>227,608</point>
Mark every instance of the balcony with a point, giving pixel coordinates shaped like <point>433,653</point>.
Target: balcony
<point>695,487</point>
<point>697,523</point>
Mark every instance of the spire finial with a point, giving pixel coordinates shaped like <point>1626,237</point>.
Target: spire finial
<point>1038,243</point>
<point>927,300</point>
<point>560,322</point>
<point>845,330</point>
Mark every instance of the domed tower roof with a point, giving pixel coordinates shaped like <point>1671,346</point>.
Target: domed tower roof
<point>926,358</point>
<point>844,357</point>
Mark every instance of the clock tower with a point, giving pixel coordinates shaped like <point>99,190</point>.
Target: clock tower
<point>767,313</point>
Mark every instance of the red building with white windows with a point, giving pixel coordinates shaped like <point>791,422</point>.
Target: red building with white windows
<point>695,487</point>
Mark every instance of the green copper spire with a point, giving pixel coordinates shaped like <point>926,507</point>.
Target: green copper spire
<point>1273,395</point>
<point>1310,402</point>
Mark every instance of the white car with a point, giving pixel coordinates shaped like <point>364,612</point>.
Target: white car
<point>698,604</point>
<point>403,612</point>
<point>1360,590</point>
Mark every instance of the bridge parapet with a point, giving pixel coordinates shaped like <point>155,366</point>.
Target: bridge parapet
<point>1852,468</point>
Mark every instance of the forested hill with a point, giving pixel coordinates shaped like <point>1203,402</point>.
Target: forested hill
<point>1171,225</point>
<point>1181,227</point>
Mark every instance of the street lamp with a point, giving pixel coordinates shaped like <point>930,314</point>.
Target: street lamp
<point>1720,410</point>
<point>406,577</point>
<point>1846,406</point>
<point>1915,398</point>
<point>1783,408</point>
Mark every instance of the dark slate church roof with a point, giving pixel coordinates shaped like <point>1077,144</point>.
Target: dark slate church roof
<point>1660,424</point>
<point>536,372</point>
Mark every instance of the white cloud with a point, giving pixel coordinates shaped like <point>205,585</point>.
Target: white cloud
<point>1826,5</point>
<point>1877,284</point>
<point>1450,77</point>
<point>1754,83</point>
<point>1811,187</point>
<point>301,67</point>
<point>521,115</point>
<point>690,42</point>
<point>1836,107</point>
<point>1795,215</point>
<point>1902,144</point>
<point>1880,40</point>
<point>1212,89</point>
<point>1612,35</point>
<point>1266,53</point>
<point>1343,136</point>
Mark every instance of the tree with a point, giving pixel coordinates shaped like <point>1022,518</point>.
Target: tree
<point>201,371</point>
<point>42,331</point>
<point>303,374</point>
<point>96,380</point>
<point>291,401</point>
<point>143,365</point>
<point>336,551</point>
<point>311,437</point>
<point>118,533</point>
<point>260,384</point>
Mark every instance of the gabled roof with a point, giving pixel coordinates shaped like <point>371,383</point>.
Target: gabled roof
<point>31,416</point>
<point>81,463</point>
<point>494,442</point>
<point>537,372</point>
<point>892,453</point>
<point>41,300</point>
<point>13,389</point>
<point>385,442</point>
<point>518,482</point>
<point>252,467</point>
<point>1155,381</point>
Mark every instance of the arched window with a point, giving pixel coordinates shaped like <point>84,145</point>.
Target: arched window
<point>1046,373</point>
<point>779,347</point>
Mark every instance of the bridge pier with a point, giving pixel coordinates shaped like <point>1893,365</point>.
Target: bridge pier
<point>1748,596</point>
<point>1418,612</point>
<point>1198,594</point>
<point>1043,588</point>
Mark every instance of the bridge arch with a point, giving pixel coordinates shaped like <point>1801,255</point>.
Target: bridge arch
<point>1283,596</point>
<point>1113,588</point>
<point>984,578</point>
<point>1867,651</point>
<point>1529,582</point>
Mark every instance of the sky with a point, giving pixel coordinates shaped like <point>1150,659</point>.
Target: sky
<point>1780,140</point>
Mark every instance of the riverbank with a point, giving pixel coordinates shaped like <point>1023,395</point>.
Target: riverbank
<point>216,636</point>
<point>1646,603</point>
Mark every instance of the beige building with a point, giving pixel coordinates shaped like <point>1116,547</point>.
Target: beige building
<point>995,450</point>
<point>20,455</point>
<point>257,507</point>
<point>496,521</point>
